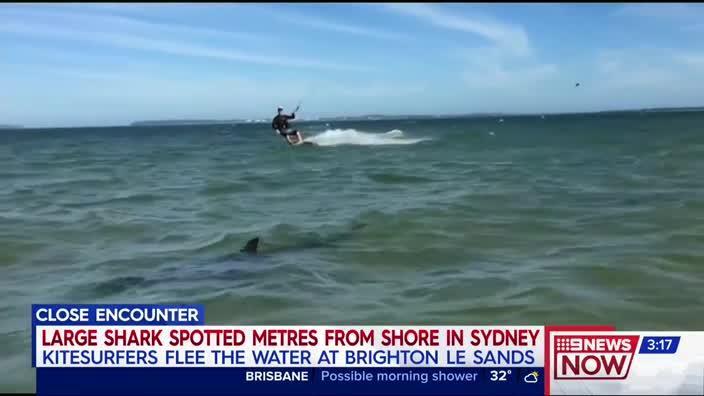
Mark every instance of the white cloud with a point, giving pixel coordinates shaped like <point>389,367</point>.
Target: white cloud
<point>641,77</point>
<point>236,90</point>
<point>646,77</point>
<point>121,23</point>
<point>630,68</point>
<point>497,75</point>
<point>506,62</point>
<point>45,55</point>
<point>496,68</point>
<point>684,17</point>
<point>119,96</point>
<point>140,42</point>
<point>510,37</point>
<point>315,22</point>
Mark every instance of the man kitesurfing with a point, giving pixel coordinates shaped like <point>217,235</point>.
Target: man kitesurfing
<point>280,125</point>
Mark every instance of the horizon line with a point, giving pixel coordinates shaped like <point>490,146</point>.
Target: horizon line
<point>253,120</point>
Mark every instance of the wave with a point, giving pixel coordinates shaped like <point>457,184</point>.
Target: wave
<point>135,198</point>
<point>339,137</point>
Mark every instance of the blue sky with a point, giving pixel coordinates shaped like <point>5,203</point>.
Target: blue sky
<point>110,64</point>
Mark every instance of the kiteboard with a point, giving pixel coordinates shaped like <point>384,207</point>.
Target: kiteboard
<point>301,143</point>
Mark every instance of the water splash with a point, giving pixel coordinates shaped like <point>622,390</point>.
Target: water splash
<point>338,137</point>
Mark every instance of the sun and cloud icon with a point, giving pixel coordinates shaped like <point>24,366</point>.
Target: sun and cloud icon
<point>531,378</point>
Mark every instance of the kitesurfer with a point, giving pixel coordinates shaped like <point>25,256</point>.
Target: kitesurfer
<point>280,125</point>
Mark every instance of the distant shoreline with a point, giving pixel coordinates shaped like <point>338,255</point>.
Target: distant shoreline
<point>367,117</point>
<point>381,117</point>
<point>184,122</point>
<point>384,117</point>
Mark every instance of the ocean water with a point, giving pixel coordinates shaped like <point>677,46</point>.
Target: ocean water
<point>582,219</point>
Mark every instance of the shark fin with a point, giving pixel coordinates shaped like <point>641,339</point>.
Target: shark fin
<point>251,246</point>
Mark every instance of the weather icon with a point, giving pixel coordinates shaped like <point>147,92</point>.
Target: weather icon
<point>531,378</point>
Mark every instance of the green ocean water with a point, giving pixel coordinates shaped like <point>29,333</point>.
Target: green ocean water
<point>581,219</point>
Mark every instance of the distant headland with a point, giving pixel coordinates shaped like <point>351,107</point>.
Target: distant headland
<point>185,122</point>
<point>381,117</point>
<point>387,117</point>
<point>10,126</point>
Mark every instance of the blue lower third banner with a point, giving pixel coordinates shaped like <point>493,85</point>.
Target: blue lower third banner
<point>290,381</point>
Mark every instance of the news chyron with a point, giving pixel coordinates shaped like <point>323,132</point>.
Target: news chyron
<point>168,349</point>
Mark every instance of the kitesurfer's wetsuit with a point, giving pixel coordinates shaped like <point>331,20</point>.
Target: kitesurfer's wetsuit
<point>280,123</point>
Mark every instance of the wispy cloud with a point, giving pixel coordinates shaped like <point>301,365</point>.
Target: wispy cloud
<point>57,56</point>
<point>108,22</point>
<point>666,11</point>
<point>496,75</point>
<point>505,35</point>
<point>683,17</point>
<point>138,93</point>
<point>141,40</point>
<point>635,68</point>
<point>315,22</point>
<point>505,63</point>
<point>124,7</point>
<point>126,95</point>
<point>374,89</point>
<point>691,59</point>
<point>646,77</point>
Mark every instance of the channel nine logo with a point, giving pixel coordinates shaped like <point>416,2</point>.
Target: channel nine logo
<point>595,357</point>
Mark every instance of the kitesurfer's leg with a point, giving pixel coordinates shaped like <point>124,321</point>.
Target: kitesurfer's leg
<point>284,134</point>
<point>291,134</point>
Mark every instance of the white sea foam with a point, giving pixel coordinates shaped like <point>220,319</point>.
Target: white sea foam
<point>338,137</point>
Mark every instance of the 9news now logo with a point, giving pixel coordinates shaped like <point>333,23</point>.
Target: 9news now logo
<point>597,357</point>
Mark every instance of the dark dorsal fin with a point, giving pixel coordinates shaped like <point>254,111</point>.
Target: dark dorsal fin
<point>251,246</point>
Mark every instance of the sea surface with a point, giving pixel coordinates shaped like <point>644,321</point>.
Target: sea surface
<point>580,219</point>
